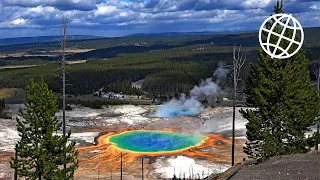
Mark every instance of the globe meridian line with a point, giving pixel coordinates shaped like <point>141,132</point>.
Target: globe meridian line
<point>296,26</point>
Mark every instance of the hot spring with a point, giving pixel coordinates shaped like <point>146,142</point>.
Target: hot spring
<point>155,141</point>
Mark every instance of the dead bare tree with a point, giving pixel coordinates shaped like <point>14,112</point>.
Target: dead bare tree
<point>318,123</point>
<point>239,59</point>
<point>63,42</point>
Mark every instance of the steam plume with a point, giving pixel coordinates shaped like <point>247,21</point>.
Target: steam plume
<point>190,106</point>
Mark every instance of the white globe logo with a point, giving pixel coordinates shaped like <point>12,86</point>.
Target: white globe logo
<point>283,51</point>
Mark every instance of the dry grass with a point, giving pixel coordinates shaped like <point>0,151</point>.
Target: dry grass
<point>76,62</point>
<point>12,55</point>
<point>4,94</point>
<point>73,50</point>
<point>17,66</point>
<point>12,94</point>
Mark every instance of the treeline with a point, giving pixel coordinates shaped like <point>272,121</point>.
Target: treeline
<point>95,104</point>
<point>166,72</point>
<point>26,60</point>
<point>123,87</point>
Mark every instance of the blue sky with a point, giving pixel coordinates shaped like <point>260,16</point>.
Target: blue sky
<point>21,18</point>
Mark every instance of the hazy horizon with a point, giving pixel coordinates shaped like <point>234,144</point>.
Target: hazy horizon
<point>153,33</point>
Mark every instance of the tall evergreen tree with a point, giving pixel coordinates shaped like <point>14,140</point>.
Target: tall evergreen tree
<point>285,104</point>
<point>40,152</point>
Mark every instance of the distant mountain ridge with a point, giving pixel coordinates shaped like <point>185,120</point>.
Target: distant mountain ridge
<point>201,33</point>
<point>206,33</point>
<point>44,39</point>
<point>144,42</point>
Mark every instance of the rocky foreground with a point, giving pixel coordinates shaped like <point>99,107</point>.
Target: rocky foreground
<point>293,167</point>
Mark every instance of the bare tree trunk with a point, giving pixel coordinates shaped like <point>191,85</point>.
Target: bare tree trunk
<point>238,62</point>
<point>142,168</point>
<point>233,118</point>
<point>15,169</point>
<point>121,166</point>
<point>63,41</point>
<point>318,123</point>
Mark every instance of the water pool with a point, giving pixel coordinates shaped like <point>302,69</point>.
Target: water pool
<point>155,141</point>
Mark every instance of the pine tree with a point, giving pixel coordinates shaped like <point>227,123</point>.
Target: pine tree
<point>285,104</point>
<point>39,153</point>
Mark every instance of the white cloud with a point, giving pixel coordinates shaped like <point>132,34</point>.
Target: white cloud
<point>41,10</point>
<point>314,7</point>
<point>124,14</point>
<point>19,21</point>
<point>83,5</point>
<point>248,4</point>
<point>150,16</point>
<point>105,10</point>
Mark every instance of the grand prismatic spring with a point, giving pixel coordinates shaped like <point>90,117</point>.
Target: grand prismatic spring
<point>155,141</point>
<point>150,144</point>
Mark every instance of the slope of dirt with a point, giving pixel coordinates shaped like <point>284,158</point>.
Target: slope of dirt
<point>293,167</point>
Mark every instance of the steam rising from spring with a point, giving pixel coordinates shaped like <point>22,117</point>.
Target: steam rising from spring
<point>207,90</point>
<point>221,73</point>
<point>185,106</point>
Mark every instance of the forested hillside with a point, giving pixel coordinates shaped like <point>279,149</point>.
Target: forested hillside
<point>168,64</point>
<point>163,70</point>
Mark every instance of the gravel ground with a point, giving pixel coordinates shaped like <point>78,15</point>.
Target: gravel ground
<point>291,167</point>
